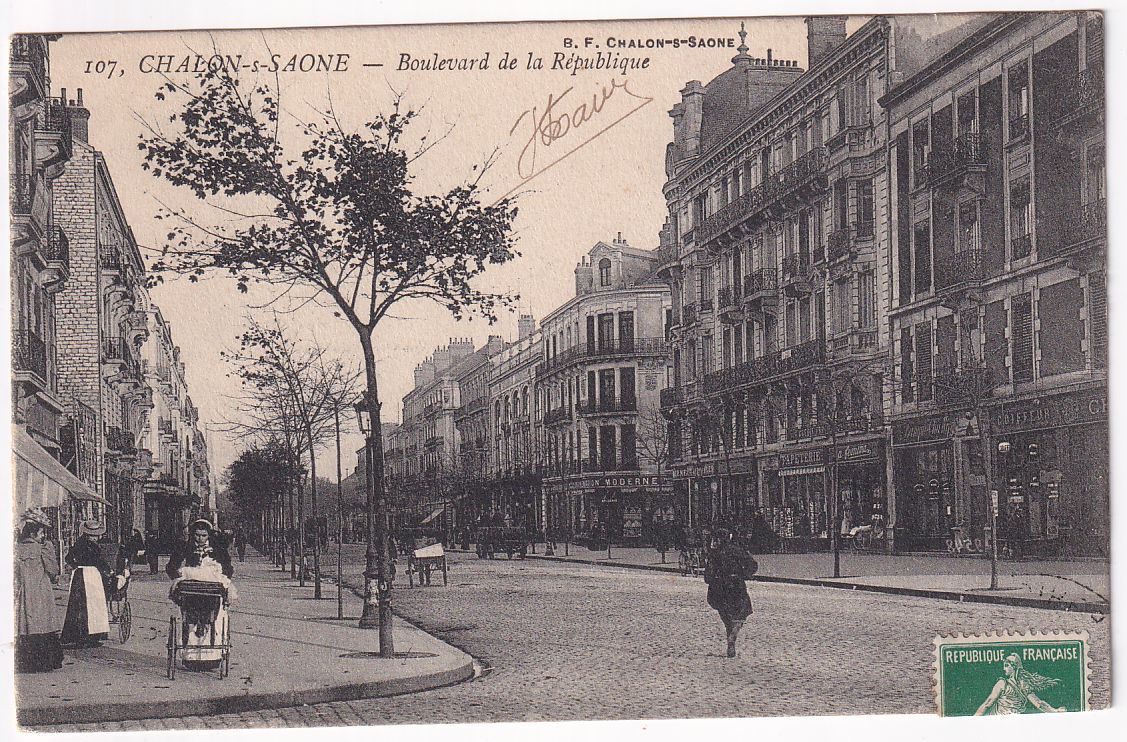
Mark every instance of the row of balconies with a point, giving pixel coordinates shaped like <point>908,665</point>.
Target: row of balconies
<point>781,363</point>
<point>606,349</point>
<point>591,407</point>
<point>808,171</point>
<point>118,350</point>
<point>587,466</point>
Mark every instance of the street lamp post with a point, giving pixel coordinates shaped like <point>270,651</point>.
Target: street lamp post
<point>1003,449</point>
<point>377,582</point>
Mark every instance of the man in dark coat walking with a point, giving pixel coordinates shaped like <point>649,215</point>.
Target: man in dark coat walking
<point>729,565</point>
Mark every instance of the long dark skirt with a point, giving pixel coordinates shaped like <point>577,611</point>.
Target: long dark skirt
<point>728,595</point>
<point>38,652</point>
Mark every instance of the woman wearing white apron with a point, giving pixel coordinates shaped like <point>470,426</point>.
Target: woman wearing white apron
<point>87,621</point>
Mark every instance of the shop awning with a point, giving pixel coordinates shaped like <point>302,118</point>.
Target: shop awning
<point>432,516</point>
<point>41,481</point>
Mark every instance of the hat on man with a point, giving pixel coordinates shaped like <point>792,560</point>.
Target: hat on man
<point>91,528</point>
<point>201,523</point>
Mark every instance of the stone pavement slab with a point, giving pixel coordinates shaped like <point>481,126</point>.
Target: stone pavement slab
<point>288,649</point>
<point>1070,585</point>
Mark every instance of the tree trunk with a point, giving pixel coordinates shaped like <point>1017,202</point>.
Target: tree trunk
<point>340,523</point>
<point>377,601</point>
<point>316,524</point>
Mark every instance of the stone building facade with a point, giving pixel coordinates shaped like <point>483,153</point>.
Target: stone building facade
<point>998,313</point>
<point>603,363</point>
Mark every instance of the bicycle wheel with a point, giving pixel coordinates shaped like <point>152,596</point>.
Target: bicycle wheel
<point>125,623</point>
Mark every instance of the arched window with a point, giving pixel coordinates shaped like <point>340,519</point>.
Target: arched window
<point>604,272</point>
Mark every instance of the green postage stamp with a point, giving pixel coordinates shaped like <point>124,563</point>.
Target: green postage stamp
<point>1025,673</point>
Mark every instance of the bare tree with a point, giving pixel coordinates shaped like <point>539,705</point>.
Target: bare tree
<point>331,217</point>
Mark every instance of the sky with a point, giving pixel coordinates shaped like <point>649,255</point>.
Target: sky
<point>575,197</point>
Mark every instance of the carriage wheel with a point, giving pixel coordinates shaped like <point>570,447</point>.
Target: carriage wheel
<point>172,647</point>
<point>125,622</point>
<point>225,661</point>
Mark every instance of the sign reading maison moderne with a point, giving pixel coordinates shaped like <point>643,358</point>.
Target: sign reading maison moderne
<point>626,480</point>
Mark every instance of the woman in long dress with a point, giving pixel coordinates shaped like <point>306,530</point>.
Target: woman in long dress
<point>87,621</point>
<point>1017,690</point>
<point>37,633</point>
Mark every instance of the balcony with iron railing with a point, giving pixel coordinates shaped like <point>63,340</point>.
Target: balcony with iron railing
<point>20,193</point>
<point>966,266</point>
<point>796,275</point>
<point>558,415</point>
<point>58,246</point>
<point>806,430</point>
<point>962,386</point>
<point>606,349</point>
<point>729,305</point>
<point>27,60</point>
<point>120,441</point>
<point>839,245</point>
<point>165,427</point>
<point>1019,127</point>
<point>951,159</point>
<point>789,361</point>
<point>53,139</point>
<point>689,315</point>
<point>29,354</point>
<point>1085,223</point>
<point>109,258</point>
<point>807,173</point>
<point>1081,96</point>
<point>118,351</point>
<point>608,405</point>
<point>760,287</point>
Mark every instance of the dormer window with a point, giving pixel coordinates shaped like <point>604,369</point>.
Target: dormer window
<point>604,272</point>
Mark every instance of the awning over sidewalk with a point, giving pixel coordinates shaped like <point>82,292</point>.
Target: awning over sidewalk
<point>432,516</point>
<point>41,481</point>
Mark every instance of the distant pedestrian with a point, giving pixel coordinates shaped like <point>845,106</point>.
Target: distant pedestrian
<point>134,546</point>
<point>37,633</point>
<point>729,565</point>
<point>240,539</point>
<point>152,552</point>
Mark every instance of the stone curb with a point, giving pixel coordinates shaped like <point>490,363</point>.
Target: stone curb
<point>104,712</point>
<point>959,596</point>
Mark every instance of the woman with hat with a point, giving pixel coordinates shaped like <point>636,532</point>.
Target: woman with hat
<point>87,621</point>
<point>37,634</point>
<point>729,565</point>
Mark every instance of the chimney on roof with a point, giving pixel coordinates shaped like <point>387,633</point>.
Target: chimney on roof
<point>526,325</point>
<point>79,116</point>
<point>824,33</point>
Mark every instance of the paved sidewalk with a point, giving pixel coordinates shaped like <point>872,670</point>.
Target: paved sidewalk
<point>1069,585</point>
<point>288,650</point>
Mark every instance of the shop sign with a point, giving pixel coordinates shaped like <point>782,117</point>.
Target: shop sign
<point>1050,412</point>
<point>626,480</point>
<point>870,450</point>
<point>796,459</point>
<point>923,430</point>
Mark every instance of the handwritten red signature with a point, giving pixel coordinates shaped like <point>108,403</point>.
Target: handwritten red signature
<point>550,125</point>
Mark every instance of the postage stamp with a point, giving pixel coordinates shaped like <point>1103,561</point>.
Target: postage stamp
<point>1020,673</point>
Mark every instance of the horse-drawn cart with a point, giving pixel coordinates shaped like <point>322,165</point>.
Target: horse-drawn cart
<point>493,540</point>
<point>421,562</point>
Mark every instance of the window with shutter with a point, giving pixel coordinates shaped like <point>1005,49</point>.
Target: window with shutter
<point>906,375</point>
<point>1097,317</point>
<point>1021,308</point>
<point>923,361</point>
<point>1060,330</point>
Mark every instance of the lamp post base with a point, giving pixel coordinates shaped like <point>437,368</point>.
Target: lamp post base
<point>370,617</point>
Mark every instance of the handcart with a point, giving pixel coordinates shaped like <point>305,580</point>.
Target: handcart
<point>421,562</point>
<point>202,634</point>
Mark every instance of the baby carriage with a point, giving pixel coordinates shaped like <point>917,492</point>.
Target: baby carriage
<point>117,591</point>
<point>202,636</point>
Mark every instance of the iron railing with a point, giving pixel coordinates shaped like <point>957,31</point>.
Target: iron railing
<point>759,281</point>
<point>780,363</point>
<point>29,353</point>
<point>951,157</point>
<point>58,245</point>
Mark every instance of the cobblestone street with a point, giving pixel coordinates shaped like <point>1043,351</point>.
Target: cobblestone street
<point>574,642</point>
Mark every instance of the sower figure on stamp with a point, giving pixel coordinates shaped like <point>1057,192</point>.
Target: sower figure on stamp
<point>729,565</point>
